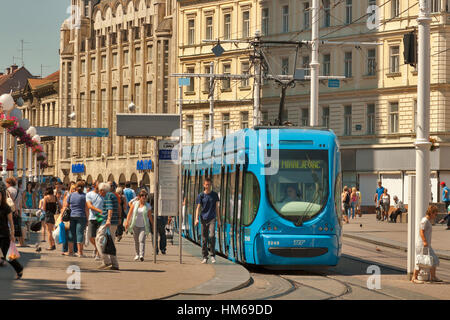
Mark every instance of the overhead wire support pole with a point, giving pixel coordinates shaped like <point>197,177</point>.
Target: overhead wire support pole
<point>315,65</point>
<point>257,81</point>
<point>211,101</point>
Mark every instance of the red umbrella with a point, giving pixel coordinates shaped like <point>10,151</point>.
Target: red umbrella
<point>9,166</point>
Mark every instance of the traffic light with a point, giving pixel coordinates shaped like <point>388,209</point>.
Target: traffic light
<point>410,48</point>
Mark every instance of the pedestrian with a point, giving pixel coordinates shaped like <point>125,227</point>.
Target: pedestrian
<point>78,219</point>
<point>13,193</point>
<point>353,202</point>
<point>94,202</point>
<point>129,194</point>
<point>207,209</point>
<point>138,223</point>
<point>377,199</point>
<point>119,230</point>
<point>109,220</point>
<point>424,241</point>
<point>446,200</point>
<point>399,208</point>
<point>49,206</point>
<point>386,198</point>
<point>65,247</point>
<point>358,204</point>
<point>122,202</point>
<point>7,231</point>
<point>28,196</point>
<point>345,197</point>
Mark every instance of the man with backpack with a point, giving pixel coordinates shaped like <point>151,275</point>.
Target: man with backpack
<point>208,211</point>
<point>377,199</point>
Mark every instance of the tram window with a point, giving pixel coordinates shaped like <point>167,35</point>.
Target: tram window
<point>251,198</point>
<point>216,183</point>
<point>231,195</point>
<point>337,197</point>
<point>299,190</point>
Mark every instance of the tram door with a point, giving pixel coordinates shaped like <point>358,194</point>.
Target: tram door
<point>237,217</point>
<point>226,207</point>
<point>221,192</point>
<point>199,189</point>
<point>231,203</point>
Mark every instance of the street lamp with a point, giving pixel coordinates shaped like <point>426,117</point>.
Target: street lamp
<point>31,132</point>
<point>18,115</point>
<point>7,103</point>
<point>36,138</point>
<point>24,124</point>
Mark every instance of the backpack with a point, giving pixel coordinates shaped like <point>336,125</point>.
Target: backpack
<point>10,202</point>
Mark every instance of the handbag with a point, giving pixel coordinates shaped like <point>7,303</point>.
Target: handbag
<point>109,247</point>
<point>13,253</point>
<point>36,226</point>
<point>424,261</point>
<point>67,212</point>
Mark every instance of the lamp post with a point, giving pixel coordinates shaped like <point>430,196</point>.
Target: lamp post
<point>18,115</point>
<point>7,103</point>
<point>31,132</point>
<point>24,124</point>
<point>36,138</point>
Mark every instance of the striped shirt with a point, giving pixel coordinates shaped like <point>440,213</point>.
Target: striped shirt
<point>111,203</point>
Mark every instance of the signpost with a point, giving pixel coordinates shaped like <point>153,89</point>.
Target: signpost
<point>334,83</point>
<point>168,178</point>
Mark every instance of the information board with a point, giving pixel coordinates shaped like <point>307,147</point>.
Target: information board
<point>168,178</point>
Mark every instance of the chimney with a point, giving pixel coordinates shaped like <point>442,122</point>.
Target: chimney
<point>8,71</point>
<point>14,67</point>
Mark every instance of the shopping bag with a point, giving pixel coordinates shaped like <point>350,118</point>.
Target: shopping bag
<point>56,234</point>
<point>36,226</point>
<point>62,233</point>
<point>424,261</point>
<point>109,247</point>
<point>12,253</point>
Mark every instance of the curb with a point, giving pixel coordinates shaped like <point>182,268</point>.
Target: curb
<point>229,276</point>
<point>391,244</point>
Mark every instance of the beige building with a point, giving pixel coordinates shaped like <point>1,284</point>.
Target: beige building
<point>212,20</point>
<point>118,52</point>
<point>375,108</point>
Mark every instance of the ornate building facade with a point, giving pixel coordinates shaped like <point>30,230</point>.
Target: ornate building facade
<point>117,52</point>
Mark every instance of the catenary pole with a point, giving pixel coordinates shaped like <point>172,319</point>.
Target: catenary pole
<point>314,99</point>
<point>257,80</point>
<point>422,143</point>
<point>211,103</point>
<point>180,181</point>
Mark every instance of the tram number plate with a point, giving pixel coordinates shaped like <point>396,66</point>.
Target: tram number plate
<point>299,242</point>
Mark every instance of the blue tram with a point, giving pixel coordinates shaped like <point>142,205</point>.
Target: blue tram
<point>279,192</point>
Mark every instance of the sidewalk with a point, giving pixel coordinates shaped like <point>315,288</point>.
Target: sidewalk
<point>394,235</point>
<point>45,274</point>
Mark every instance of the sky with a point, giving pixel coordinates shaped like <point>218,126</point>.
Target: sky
<point>38,23</point>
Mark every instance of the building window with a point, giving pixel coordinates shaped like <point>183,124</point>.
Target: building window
<point>227,27</point>
<point>265,21</point>
<point>92,64</point>
<point>149,53</point>
<point>114,60</point>
<point>393,117</point>
<point>371,62</point>
<point>126,58</point>
<point>347,120</point>
<point>306,16</point>
<point>245,24</point>
<point>371,118</point>
<point>206,81</point>
<point>206,127</point>
<point>395,8</point>
<point>225,124</point>
<point>191,31</point>
<point>83,66</point>
<point>209,28</point>
<point>348,11</point>
<point>306,66</point>
<point>305,117</point>
<point>149,95</point>
<point>326,117</point>
<point>137,55</point>
<point>435,5</point>
<point>415,116</point>
<point>244,119</point>
<point>103,62</point>
<point>190,129</point>
<point>348,65</point>
<point>137,96</point>
<point>326,64</point>
<point>395,59</point>
<point>327,14</point>
<point>245,70</point>
<point>191,87</point>
<point>226,83</point>
<point>265,117</point>
<point>285,19</point>
<point>284,66</point>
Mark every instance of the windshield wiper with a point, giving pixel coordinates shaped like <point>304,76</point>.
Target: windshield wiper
<point>300,220</point>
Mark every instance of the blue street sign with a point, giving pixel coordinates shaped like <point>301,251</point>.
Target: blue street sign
<point>334,83</point>
<point>72,132</point>
<point>144,165</point>
<point>184,82</point>
<point>78,168</point>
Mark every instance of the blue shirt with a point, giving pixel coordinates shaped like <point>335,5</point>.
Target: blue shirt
<point>129,194</point>
<point>77,205</point>
<point>443,194</point>
<point>97,201</point>
<point>380,192</point>
<point>208,202</point>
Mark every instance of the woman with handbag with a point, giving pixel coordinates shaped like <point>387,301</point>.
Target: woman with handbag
<point>79,214</point>
<point>65,245</point>
<point>138,223</point>
<point>423,247</point>
<point>7,231</point>
<point>49,206</point>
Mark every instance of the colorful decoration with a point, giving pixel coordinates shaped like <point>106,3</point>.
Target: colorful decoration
<point>8,122</point>
<point>36,148</point>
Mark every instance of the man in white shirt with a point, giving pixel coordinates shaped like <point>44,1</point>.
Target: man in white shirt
<point>399,209</point>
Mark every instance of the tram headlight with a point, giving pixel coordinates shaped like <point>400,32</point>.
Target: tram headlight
<point>326,229</point>
<point>320,228</point>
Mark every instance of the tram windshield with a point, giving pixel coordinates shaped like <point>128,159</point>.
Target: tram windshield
<point>299,190</point>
